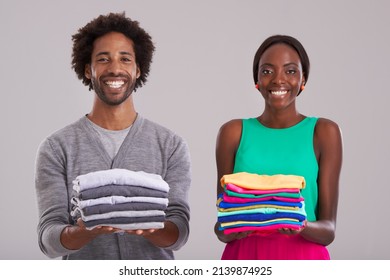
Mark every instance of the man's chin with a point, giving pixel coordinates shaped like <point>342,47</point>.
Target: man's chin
<point>113,101</point>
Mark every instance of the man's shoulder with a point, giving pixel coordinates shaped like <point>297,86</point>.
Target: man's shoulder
<point>62,138</point>
<point>159,128</point>
<point>72,129</point>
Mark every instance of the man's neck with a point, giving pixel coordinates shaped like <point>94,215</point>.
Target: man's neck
<point>113,117</point>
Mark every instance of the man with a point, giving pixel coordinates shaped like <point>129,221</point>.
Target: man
<point>111,55</point>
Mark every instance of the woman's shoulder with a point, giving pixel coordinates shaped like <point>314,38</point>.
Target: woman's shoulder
<point>231,126</point>
<point>327,130</point>
<point>231,129</point>
<point>327,125</point>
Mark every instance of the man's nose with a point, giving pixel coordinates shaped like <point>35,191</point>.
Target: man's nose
<point>115,67</point>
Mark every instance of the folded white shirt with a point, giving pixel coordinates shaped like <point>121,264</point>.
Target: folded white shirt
<point>133,226</point>
<point>119,177</point>
<point>116,200</point>
<point>117,214</point>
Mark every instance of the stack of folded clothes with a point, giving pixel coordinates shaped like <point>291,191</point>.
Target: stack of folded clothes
<point>120,198</point>
<point>261,203</point>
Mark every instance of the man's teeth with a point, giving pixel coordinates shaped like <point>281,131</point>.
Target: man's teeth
<point>114,84</point>
<point>279,92</point>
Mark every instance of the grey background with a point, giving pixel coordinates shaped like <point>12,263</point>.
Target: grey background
<point>200,78</point>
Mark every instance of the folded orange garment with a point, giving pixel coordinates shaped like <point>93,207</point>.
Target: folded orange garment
<point>263,182</point>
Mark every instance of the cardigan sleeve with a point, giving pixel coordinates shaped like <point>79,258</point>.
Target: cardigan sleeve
<point>178,177</point>
<point>52,198</point>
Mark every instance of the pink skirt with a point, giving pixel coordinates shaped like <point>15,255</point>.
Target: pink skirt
<point>274,246</point>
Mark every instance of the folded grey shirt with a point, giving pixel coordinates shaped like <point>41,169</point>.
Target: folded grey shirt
<point>137,206</point>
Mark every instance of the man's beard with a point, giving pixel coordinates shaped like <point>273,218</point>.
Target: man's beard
<point>105,98</point>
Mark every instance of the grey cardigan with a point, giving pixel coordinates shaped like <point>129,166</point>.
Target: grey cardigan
<point>75,150</point>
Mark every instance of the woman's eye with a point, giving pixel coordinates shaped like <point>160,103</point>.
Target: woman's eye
<point>266,71</point>
<point>291,71</point>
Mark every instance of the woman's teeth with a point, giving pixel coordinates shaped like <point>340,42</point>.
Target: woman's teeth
<point>279,92</point>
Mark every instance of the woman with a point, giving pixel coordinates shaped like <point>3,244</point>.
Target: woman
<point>283,141</point>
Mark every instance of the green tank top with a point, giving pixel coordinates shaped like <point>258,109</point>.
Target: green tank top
<point>289,151</point>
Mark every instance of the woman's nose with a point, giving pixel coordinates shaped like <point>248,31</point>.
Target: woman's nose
<point>279,77</point>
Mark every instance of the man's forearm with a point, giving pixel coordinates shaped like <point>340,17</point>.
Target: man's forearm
<point>75,237</point>
<point>164,237</point>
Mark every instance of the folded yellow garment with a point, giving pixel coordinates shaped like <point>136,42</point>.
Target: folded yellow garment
<point>263,182</point>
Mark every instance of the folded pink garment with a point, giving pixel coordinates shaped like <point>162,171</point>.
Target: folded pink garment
<point>262,229</point>
<point>238,189</point>
<point>235,199</point>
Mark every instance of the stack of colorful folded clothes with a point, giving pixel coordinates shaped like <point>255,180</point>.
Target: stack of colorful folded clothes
<point>120,198</point>
<point>261,203</point>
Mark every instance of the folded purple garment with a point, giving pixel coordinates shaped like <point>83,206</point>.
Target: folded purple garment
<point>240,224</point>
<point>120,190</point>
<point>226,205</point>
<point>235,199</point>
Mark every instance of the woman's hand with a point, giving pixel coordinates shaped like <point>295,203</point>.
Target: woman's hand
<point>226,238</point>
<point>290,231</point>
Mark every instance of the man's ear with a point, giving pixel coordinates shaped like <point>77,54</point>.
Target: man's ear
<point>138,72</point>
<point>87,71</point>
